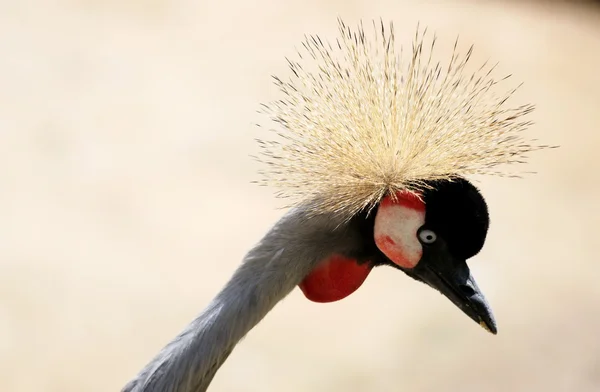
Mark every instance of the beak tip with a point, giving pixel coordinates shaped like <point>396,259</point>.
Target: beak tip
<point>490,327</point>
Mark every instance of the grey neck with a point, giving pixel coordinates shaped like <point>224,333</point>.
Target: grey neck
<point>269,272</point>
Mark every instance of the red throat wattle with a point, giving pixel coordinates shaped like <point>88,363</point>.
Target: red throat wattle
<point>334,279</point>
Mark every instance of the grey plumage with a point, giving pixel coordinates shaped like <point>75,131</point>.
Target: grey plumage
<point>268,273</point>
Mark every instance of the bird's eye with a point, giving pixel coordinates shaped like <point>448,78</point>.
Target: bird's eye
<point>427,236</point>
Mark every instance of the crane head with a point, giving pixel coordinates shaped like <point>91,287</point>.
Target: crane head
<point>429,236</point>
<point>366,134</point>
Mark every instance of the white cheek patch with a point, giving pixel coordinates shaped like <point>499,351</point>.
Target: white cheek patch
<point>395,233</point>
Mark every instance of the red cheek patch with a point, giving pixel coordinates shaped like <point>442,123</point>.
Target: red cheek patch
<point>396,225</point>
<point>334,279</point>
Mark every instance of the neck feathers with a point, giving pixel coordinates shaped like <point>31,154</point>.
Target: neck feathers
<point>270,271</point>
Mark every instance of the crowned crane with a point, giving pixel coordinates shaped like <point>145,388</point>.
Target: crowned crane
<point>374,155</point>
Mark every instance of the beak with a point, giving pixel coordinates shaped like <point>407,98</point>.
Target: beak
<point>453,279</point>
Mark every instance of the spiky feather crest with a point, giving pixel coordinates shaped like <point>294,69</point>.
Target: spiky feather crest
<point>355,124</point>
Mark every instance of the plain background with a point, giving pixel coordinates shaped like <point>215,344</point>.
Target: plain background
<point>126,202</point>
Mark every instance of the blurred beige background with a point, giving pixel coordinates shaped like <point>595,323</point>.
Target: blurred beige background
<point>125,130</point>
